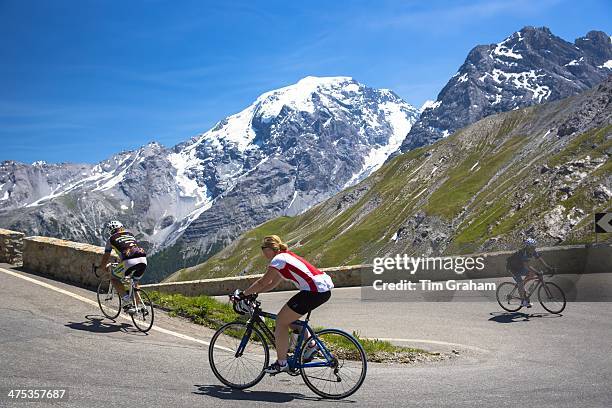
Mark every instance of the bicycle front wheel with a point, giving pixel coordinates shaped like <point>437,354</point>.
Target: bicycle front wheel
<point>508,296</point>
<point>340,376</point>
<point>144,315</point>
<point>551,297</point>
<point>245,369</point>
<point>108,300</point>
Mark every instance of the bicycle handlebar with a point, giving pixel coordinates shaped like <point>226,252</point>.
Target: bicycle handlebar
<point>235,296</point>
<point>95,269</point>
<point>250,300</point>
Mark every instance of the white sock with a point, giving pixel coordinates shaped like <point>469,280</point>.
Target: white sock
<point>282,362</point>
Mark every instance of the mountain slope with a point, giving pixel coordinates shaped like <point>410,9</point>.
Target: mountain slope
<point>74,201</point>
<point>540,171</point>
<point>531,66</point>
<point>290,149</point>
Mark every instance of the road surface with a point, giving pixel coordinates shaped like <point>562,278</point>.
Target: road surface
<point>52,335</point>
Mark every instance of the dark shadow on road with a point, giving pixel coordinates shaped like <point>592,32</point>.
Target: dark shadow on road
<point>515,317</point>
<point>227,393</point>
<point>96,324</point>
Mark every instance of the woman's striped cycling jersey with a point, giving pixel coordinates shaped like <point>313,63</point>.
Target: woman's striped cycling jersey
<point>303,275</point>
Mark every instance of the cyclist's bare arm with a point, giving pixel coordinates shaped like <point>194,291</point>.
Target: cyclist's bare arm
<point>105,259</point>
<point>532,271</point>
<point>267,282</point>
<point>543,262</point>
<point>274,283</point>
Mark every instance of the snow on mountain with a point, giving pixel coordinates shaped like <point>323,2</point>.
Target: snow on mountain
<point>528,67</point>
<point>607,64</point>
<point>429,104</point>
<point>237,134</point>
<point>290,149</point>
<point>299,97</point>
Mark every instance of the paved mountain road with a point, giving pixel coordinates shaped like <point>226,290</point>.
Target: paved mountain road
<point>55,337</point>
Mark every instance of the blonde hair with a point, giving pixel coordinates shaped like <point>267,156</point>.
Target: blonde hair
<point>274,242</point>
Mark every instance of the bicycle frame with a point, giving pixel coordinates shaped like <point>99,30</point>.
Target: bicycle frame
<point>539,277</point>
<point>256,320</point>
<point>128,279</point>
<point>133,288</point>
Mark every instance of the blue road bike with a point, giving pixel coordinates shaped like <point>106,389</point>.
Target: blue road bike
<point>239,352</point>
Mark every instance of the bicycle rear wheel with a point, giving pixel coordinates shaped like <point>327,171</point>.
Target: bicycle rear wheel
<point>346,370</point>
<point>508,296</point>
<point>144,315</point>
<point>108,300</point>
<point>551,297</point>
<point>242,371</point>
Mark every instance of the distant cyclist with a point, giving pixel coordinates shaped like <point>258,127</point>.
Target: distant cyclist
<point>518,265</point>
<point>315,289</point>
<point>133,260</point>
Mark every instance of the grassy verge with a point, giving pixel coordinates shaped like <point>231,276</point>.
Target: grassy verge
<point>211,313</point>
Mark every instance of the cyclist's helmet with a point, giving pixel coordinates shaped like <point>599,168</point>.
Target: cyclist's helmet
<point>530,242</point>
<point>113,226</point>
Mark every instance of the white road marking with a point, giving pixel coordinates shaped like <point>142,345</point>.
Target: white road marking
<point>195,340</point>
<point>91,302</point>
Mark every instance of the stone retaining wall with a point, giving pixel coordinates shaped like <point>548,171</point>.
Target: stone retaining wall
<point>64,260</point>
<point>71,262</point>
<point>11,246</point>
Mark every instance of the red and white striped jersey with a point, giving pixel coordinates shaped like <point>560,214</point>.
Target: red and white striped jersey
<point>303,275</point>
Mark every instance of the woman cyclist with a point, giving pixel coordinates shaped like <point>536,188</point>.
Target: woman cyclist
<point>315,289</point>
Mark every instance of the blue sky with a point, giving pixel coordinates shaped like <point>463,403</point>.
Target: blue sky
<point>82,80</point>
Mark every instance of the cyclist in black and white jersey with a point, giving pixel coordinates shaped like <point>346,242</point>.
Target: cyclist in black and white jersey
<point>133,259</point>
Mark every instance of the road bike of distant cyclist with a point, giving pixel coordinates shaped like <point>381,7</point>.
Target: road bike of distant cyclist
<point>239,352</point>
<point>550,295</point>
<point>110,301</point>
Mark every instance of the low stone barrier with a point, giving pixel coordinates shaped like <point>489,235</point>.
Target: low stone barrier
<point>598,259</point>
<point>11,246</point>
<point>71,262</point>
<point>343,276</point>
<point>63,260</point>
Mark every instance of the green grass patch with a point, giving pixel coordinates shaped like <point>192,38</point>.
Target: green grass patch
<point>464,182</point>
<point>592,142</point>
<point>209,312</point>
<point>203,310</point>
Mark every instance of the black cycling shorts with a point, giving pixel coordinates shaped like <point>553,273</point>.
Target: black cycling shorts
<point>136,271</point>
<point>120,271</point>
<point>305,301</point>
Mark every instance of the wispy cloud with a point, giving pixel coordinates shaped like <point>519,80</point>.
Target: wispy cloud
<point>438,18</point>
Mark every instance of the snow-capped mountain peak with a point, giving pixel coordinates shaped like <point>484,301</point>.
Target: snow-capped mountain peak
<point>528,67</point>
<point>290,149</point>
<point>299,96</point>
<point>235,146</point>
